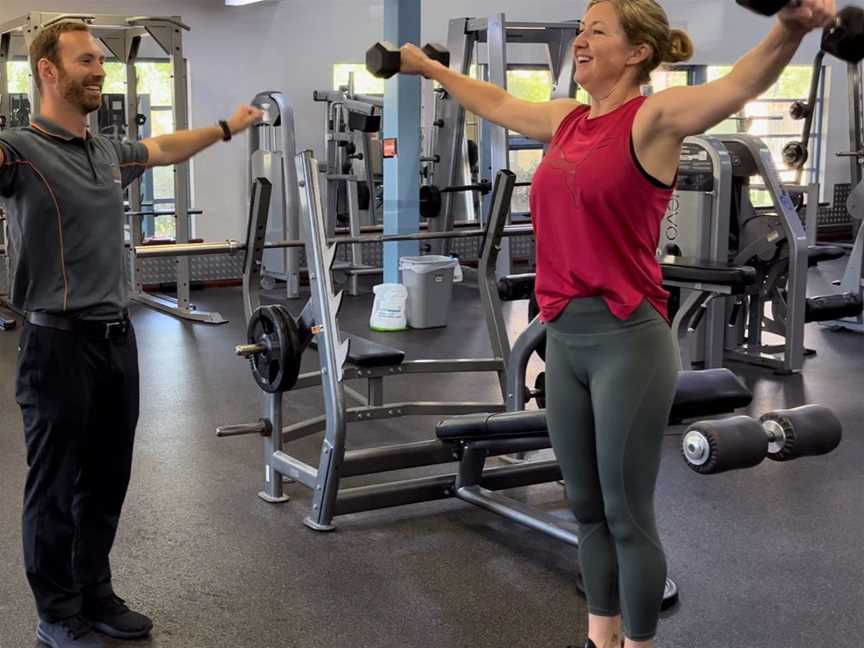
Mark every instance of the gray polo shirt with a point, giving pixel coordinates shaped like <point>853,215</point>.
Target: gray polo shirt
<point>64,201</point>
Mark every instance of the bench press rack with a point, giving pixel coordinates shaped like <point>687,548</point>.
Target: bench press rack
<point>699,394</point>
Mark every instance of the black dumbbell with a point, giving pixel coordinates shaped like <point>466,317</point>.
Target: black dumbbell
<point>764,7</point>
<point>843,40</point>
<point>384,59</point>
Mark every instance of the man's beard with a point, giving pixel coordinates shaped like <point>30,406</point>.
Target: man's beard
<point>75,92</point>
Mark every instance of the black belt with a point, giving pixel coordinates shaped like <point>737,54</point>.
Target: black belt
<point>105,329</point>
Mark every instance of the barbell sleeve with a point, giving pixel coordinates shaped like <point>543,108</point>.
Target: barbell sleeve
<point>247,350</point>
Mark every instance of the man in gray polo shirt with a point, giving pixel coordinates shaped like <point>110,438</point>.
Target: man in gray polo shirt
<point>77,382</point>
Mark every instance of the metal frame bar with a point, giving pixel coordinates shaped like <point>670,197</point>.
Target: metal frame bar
<point>272,150</point>
<point>792,358</point>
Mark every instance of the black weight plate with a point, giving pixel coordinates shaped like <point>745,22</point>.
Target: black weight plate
<point>268,328</point>
<point>292,354</point>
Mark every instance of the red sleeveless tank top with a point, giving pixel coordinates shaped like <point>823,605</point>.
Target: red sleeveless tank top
<point>597,216</point>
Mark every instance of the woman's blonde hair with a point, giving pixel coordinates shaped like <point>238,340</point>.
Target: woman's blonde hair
<point>645,22</point>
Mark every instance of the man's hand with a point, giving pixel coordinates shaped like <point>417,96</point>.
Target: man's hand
<point>808,15</point>
<point>243,118</point>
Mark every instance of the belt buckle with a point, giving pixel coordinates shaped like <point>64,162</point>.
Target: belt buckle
<point>111,326</point>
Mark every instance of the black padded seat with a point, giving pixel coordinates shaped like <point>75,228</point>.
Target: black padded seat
<point>680,269</point>
<point>482,427</point>
<point>688,270</point>
<point>366,353</point>
<point>706,393</point>
<point>699,393</point>
<point>816,254</point>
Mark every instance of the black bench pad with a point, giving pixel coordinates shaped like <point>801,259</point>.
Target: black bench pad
<point>680,269</point>
<point>366,353</point>
<point>706,393</point>
<point>683,269</point>
<point>699,393</point>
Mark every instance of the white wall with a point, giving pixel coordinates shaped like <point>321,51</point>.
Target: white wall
<point>235,52</point>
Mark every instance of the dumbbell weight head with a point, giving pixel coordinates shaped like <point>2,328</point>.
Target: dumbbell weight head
<point>763,7</point>
<point>845,39</point>
<point>383,60</point>
<point>437,52</point>
<point>795,155</point>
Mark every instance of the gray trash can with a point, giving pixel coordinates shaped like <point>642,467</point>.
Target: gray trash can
<point>429,280</point>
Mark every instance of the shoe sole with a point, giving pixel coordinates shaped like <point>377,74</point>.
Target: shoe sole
<point>43,639</point>
<point>114,633</point>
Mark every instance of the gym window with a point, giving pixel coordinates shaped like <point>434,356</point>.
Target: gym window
<point>19,77</point>
<point>155,95</point>
<point>768,119</point>
<point>156,102</point>
<point>364,83</point>
<point>530,84</point>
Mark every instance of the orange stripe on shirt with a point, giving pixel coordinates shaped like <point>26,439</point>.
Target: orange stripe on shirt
<point>59,228</point>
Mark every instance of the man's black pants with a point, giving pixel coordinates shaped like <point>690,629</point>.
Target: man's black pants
<point>78,392</point>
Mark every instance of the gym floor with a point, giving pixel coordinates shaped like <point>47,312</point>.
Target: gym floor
<point>767,558</point>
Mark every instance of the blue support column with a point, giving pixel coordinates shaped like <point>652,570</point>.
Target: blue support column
<point>401,121</point>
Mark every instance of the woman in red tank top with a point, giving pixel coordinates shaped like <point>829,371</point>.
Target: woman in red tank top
<point>597,201</point>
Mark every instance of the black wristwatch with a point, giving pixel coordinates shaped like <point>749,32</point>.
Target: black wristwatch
<point>226,137</point>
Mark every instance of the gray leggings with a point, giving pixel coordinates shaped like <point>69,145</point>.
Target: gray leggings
<point>609,389</point>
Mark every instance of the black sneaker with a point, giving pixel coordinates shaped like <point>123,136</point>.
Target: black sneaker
<point>73,632</point>
<point>111,616</point>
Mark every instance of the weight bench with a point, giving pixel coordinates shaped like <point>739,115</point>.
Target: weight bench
<point>475,437</point>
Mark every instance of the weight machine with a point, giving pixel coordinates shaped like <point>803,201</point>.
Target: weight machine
<point>712,217</point>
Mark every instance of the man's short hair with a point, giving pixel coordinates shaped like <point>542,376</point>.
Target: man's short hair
<point>47,45</point>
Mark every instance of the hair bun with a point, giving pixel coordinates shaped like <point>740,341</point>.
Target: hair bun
<point>680,47</point>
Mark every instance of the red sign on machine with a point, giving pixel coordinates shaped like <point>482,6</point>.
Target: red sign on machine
<point>391,149</point>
